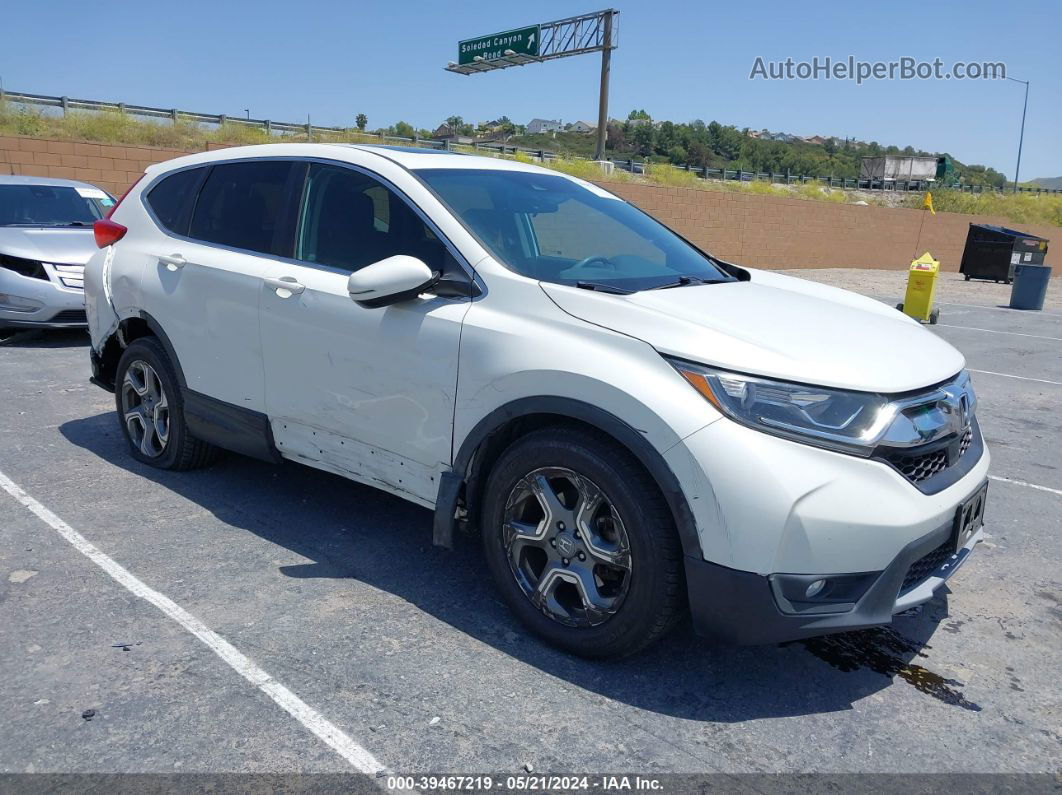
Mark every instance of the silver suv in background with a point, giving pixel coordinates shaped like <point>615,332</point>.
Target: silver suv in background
<point>45,241</point>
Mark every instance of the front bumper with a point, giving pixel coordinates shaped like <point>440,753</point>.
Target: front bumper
<point>742,608</point>
<point>772,516</point>
<point>49,304</point>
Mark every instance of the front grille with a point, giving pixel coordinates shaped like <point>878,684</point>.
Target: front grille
<point>25,267</point>
<point>926,565</point>
<point>70,316</point>
<point>919,467</point>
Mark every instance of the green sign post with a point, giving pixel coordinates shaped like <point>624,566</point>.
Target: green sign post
<point>523,41</point>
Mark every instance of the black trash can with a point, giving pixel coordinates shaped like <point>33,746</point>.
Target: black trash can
<point>1030,286</point>
<point>992,252</point>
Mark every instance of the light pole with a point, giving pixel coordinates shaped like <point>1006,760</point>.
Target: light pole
<point>1021,137</point>
<point>248,112</point>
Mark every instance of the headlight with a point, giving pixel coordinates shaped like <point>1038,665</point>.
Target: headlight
<point>850,422</point>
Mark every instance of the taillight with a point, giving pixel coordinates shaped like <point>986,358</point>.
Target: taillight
<point>107,232</point>
<point>110,212</point>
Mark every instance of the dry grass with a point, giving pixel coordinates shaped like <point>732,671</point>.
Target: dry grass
<point>1022,208</point>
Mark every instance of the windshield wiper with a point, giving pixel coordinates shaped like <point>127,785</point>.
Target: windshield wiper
<point>684,281</point>
<point>602,288</point>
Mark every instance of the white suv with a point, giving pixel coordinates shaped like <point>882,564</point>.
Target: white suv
<point>632,425</point>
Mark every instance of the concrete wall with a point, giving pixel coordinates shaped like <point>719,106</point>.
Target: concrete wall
<point>112,167</point>
<point>759,231</point>
<point>774,232</point>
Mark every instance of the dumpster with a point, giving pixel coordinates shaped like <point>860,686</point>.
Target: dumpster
<point>1030,286</point>
<point>992,252</point>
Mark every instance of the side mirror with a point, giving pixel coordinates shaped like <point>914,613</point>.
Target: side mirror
<point>390,281</point>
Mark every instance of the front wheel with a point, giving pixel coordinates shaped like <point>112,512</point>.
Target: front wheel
<point>581,543</point>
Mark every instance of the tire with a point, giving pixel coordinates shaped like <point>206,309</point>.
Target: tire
<point>150,408</point>
<point>638,594</point>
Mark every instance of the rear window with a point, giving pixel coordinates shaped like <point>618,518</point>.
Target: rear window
<point>52,205</point>
<point>172,199</point>
<point>241,205</point>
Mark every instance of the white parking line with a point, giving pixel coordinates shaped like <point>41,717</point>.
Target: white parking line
<point>994,331</point>
<point>333,736</point>
<point>1019,377</point>
<point>1041,313</point>
<point>1027,485</point>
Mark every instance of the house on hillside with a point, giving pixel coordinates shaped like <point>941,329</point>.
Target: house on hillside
<point>446,134</point>
<point>539,126</point>
<point>818,140</point>
<point>582,127</point>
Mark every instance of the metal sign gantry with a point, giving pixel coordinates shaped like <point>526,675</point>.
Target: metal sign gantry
<point>587,33</point>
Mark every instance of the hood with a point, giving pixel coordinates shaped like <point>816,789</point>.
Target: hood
<point>776,326</point>
<point>66,246</point>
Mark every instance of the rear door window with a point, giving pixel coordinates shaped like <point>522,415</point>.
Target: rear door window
<point>242,205</point>
<point>172,199</point>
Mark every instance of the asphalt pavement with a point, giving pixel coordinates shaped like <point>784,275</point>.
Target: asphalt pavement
<point>334,593</point>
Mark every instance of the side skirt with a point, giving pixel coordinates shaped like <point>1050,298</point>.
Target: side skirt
<point>234,428</point>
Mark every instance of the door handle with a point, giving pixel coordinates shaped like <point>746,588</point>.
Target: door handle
<point>285,286</point>
<point>173,262</point>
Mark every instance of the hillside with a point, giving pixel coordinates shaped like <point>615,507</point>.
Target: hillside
<point>1049,183</point>
<point>724,146</point>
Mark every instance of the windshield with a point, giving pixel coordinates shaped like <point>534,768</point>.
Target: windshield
<point>560,230</point>
<point>52,205</point>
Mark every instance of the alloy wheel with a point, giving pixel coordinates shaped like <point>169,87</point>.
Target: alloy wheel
<point>145,409</point>
<point>567,546</point>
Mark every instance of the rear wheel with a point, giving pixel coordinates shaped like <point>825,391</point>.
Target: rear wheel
<point>151,410</point>
<point>581,543</point>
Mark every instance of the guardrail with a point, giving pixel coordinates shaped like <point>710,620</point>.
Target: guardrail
<point>67,104</point>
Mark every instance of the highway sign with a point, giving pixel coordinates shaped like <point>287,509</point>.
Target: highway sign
<point>523,41</point>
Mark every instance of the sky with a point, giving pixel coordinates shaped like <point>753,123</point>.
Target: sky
<point>678,59</point>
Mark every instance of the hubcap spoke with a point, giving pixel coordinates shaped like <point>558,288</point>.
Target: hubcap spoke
<point>547,498</point>
<point>521,535</point>
<point>134,377</point>
<point>594,604</point>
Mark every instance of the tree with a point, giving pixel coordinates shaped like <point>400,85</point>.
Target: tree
<point>362,121</point>
<point>454,123</point>
<point>638,114</point>
<point>403,129</point>
<point>643,138</point>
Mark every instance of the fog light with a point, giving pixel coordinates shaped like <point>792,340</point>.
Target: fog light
<point>815,589</point>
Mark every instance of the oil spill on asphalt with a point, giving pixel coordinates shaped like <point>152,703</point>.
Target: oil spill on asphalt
<point>885,651</point>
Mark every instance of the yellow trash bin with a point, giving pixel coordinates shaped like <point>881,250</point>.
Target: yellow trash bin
<point>921,287</point>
